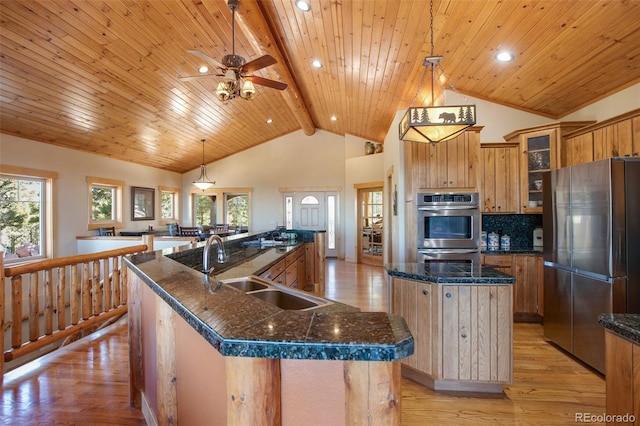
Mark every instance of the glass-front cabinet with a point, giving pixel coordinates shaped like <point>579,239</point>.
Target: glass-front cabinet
<point>540,151</point>
<point>538,158</point>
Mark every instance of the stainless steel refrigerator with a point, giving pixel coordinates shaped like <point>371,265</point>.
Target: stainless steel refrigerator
<point>591,226</point>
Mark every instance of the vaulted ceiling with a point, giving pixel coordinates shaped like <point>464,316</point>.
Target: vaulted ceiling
<point>102,76</point>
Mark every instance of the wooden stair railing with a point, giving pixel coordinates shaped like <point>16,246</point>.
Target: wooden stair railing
<point>64,295</point>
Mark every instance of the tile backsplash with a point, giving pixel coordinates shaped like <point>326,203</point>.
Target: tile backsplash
<point>517,226</point>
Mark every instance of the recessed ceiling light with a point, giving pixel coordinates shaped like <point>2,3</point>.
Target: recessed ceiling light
<point>269,121</point>
<point>316,63</point>
<point>504,56</point>
<point>303,5</point>
<point>203,69</point>
<point>334,118</point>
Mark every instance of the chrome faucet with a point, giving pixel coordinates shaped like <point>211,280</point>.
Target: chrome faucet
<point>222,257</point>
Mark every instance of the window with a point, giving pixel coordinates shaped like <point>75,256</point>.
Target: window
<point>237,210</point>
<point>25,213</point>
<point>204,206</point>
<point>169,204</point>
<point>105,202</point>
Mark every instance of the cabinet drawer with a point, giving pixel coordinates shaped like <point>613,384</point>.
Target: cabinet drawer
<point>503,260</point>
<point>277,269</point>
<point>291,275</point>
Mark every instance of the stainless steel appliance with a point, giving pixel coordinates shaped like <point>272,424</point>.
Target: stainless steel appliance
<point>591,255</point>
<point>448,226</point>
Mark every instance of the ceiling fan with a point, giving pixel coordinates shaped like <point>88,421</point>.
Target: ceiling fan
<point>236,71</point>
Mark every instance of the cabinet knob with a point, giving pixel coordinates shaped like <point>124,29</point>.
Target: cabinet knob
<point>425,292</point>
<point>448,295</point>
<point>463,335</point>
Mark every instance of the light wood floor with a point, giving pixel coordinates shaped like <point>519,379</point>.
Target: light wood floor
<point>87,383</point>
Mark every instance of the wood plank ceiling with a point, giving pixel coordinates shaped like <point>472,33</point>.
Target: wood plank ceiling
<point>101,76</point>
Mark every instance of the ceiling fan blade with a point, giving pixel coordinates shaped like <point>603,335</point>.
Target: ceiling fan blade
<point>206,58</point>
<point>259,63</point>
<point>266,82</point>
<point>194,77</point>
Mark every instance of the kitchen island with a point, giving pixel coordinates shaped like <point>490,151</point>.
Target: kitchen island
<point>622,367</point>
<point>460,315</point>
<point>226,357</point>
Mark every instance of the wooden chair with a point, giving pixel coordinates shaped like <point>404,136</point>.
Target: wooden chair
<point>107,232</point>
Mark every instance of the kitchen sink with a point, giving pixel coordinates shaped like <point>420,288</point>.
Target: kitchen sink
<point>287,301</point>
<point>281,297</point>
<point>246,284</point>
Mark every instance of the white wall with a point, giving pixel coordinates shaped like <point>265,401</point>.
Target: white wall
<point>611,106</point>
<point>71,199</point>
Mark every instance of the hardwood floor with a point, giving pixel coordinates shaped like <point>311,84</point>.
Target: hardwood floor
<point>86,383</point>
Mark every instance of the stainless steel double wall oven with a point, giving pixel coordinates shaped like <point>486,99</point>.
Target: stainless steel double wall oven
<point>448,226</point>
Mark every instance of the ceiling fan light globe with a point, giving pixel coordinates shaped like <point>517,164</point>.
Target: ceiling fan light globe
<point>222,92</point>
<point>248,90</point>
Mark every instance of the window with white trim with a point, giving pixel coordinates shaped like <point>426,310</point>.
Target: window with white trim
<point>25,214</point>
<point>169,203</point>
<point>105,202</point>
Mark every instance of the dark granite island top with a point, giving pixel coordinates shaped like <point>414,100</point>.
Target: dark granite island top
<point>449,272</point>
<point>237,324</point>
<point>626,325</point>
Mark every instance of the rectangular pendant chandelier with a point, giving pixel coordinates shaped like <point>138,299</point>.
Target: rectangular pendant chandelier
<point>433,124</point>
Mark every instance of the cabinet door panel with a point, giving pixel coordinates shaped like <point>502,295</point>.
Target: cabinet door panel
<point>424,328</point>
<point>450,350</point>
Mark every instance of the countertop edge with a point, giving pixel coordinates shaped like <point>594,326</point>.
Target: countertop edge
<point>626,325</point>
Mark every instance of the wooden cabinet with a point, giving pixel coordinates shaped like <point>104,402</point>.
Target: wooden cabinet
<point>310,264</point>
<point>447,165</point>
<point>540,151</point>
<point>616,137</point>
<point>413,301</point>
<point>623,377</point>
<point>527,294</point>
<point>498,182</point>
<point>528,271</point>
<point>463,334</point>
<point>476,333</point>
<point>291,270</point>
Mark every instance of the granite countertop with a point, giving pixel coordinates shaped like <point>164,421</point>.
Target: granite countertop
<point>515,250</point>
<point>449,272</point>
<point>238,324</point>
<point>626,325</point>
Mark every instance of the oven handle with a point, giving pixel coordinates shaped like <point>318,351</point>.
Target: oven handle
<point>439,209</point>
<point>447,251</point>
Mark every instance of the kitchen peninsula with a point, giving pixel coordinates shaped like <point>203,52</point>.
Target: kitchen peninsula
<point>226,357</point>
<point>460,315</point>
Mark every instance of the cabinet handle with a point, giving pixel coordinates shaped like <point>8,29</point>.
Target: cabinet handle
<point>425,292</point>
<point>448,295</point>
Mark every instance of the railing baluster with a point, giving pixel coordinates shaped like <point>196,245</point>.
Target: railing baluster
<point>61,290</point>
<point>86,291</point>
<point>34,313</point>
<point>48,301</point>
<point>116,281</point>
<point>95,287</point>
<point>16,313</point>
<point>107,284</point>
<point>74,294</point>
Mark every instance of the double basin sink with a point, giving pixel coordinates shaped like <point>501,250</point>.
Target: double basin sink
<point>280,297</point>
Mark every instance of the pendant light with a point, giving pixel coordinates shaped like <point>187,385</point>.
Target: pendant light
<point>433,124</point>
<point>203,182</point>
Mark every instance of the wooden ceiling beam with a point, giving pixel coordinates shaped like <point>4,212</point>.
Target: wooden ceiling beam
<point>253,24</point>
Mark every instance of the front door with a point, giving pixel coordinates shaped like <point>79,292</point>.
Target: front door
<point>313,211</point>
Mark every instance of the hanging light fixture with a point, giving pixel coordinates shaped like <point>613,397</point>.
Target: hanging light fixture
<point>433,124</point>
<point>203,182</point>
